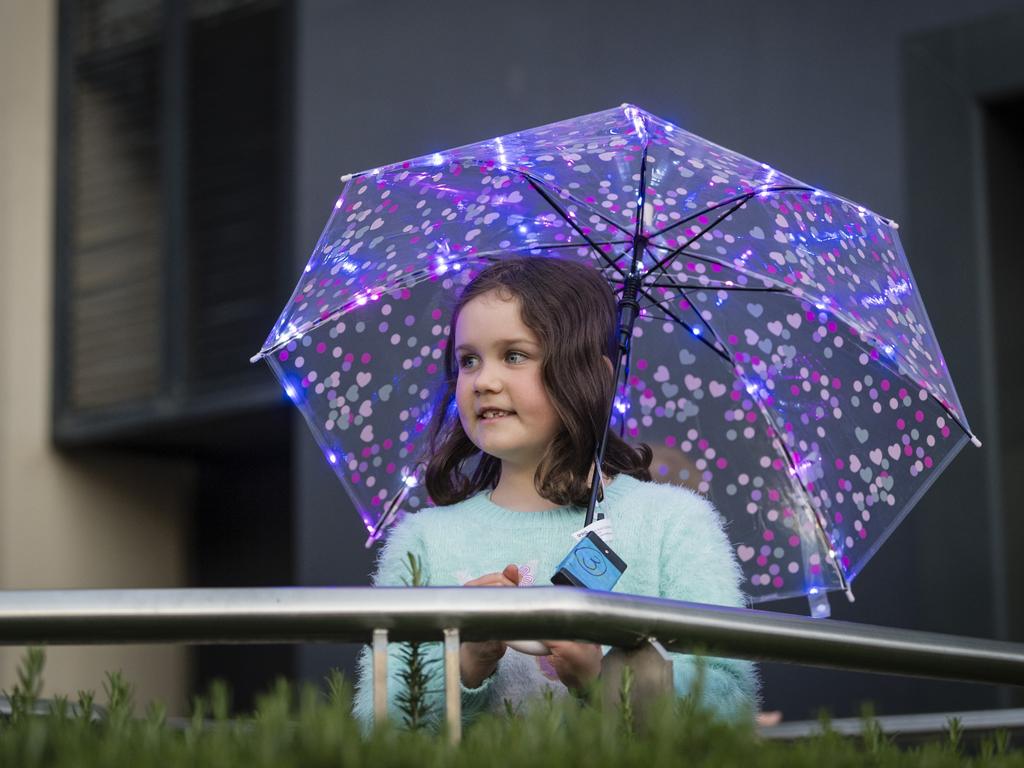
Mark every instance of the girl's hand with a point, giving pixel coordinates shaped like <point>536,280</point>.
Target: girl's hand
<point>477,661</point>
<point>577,664</point>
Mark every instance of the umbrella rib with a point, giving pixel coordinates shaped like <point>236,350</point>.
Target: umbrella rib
<point>389,514</point>
<point>682,287</point>
<point>729,201</point>
<point>781,287</point>
<point>642,194</point>
<point>541,191</point>
<point>717,288</point>
<point>544,247</point>
<point>664,261</point>
<point>524,174</point>
<point>682,323</point>
<point>706,259</point>
<point>807,496</point>
<point>737,202</point>
<point>782,446</point>
<point>764,415</point>
<point>535,182</point>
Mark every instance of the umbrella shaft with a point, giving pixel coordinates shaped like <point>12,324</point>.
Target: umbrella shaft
<point>628,308</point>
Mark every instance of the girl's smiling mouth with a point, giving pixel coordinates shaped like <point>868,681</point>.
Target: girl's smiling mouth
<point>493,414</point>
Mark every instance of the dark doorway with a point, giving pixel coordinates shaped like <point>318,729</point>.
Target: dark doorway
<point>1004,161</point>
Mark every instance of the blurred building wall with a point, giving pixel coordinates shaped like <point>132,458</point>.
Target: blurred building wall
<point>66,522</point>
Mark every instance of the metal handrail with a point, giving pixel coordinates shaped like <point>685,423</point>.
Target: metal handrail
<point>352,614</point>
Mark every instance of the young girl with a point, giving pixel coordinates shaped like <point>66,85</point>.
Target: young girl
<point>529,367</point>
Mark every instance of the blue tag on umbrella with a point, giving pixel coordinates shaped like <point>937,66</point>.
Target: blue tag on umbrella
<point>591,564</point>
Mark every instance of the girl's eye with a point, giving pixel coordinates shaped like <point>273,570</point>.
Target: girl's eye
<point>513,357</point>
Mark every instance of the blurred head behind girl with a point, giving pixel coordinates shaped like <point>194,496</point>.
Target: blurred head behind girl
<point>571,311</point>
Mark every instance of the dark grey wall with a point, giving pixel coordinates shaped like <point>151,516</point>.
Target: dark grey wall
<point>816,89</point>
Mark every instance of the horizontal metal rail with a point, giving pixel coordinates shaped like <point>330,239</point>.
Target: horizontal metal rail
<point>907,729</point>
<point>351,614</point>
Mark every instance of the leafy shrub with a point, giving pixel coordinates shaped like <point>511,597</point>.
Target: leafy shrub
<point>309,727</point>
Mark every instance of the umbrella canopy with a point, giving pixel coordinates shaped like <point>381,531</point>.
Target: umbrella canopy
<point>782,363</point>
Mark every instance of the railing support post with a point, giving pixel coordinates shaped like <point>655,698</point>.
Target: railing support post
<point>651,670</point>
<point>452,686</point>
<point>380,675</point>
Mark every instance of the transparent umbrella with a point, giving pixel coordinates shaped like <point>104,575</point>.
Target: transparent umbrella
<point>781,363</point>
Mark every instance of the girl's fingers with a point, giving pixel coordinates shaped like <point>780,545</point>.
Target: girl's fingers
<point>511,573</point>
<point>491,580</point>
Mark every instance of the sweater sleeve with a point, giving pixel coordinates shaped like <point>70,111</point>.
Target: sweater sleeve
<point>697,565</point>
<point>406,537</point>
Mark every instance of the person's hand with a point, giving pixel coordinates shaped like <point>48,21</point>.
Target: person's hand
<point>477,661</point>
<point>577,664</point>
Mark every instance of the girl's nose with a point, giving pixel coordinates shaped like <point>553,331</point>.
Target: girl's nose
<point>487,379</point>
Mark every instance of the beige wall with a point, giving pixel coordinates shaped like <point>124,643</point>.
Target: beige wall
<point>66,521</point>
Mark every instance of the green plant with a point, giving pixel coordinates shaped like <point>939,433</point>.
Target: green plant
<point>626,700</point>
<point>415,701</point>
<point>956,734</point>
<point>873,738</point>
<point>313,728</point>
<point>25,693</point>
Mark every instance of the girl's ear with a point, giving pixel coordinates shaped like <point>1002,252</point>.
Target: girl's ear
<point>608,362</point>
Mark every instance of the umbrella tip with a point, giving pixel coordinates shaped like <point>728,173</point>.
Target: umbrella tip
<point>975,441</point>
<point>256,358</point>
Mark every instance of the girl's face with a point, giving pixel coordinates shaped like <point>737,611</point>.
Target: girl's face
<point>503,405</point>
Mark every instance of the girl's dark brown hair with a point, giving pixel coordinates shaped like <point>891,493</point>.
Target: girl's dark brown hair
<point>571,308</point>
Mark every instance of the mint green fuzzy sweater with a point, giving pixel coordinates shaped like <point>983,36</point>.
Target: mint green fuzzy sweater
<point>671,539</point>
